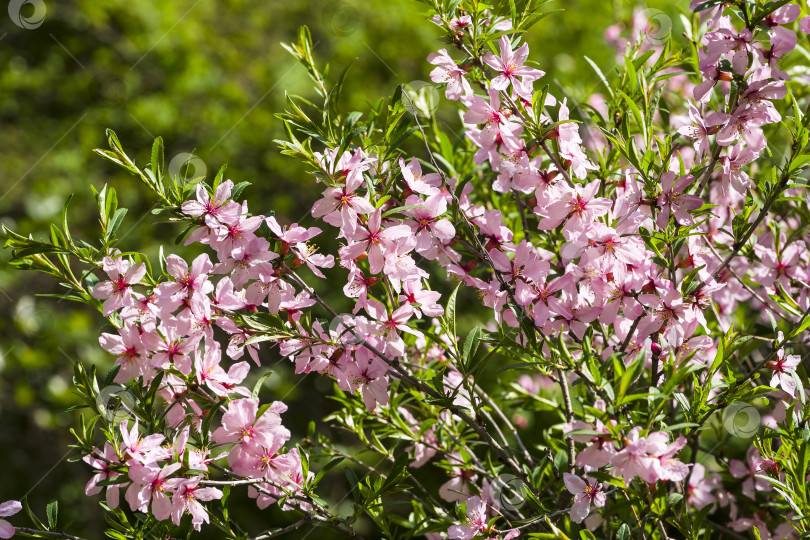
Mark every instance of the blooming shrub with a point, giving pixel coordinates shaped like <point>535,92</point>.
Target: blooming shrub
<point>643,255</point>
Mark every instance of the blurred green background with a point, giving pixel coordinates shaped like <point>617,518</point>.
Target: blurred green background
<point>208,77</point>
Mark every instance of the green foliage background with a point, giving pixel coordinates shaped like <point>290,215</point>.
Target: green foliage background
<point>208,77</point>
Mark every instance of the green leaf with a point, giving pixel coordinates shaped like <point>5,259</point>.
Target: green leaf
<point>238,189</point>
<point>471,345</point>
<point>258,386</point>
<point>52,510</point>
<point>450,311</point>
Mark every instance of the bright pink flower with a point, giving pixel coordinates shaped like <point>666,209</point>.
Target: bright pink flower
<point>240,425</point>
<point>128,346</point>
<point>699,130</point>
<point>733,163</point>
<point>369,376</point>
<point>633,460</point>
<point>211,374</point>
<point>666,466</point>
<point>234,235</point>
<point>422,300</point>
<point>702,487</point>
<point>571,144</point>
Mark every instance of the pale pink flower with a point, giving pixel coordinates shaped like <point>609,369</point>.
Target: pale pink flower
<point>674,200</point>
<point>447,71</point>
<point>783,369</point>
<point>510,69</point>
<point>117,291</point>
<point>186,496</point>
<point>8,508</point>
<point>584,493</point>
<point>149,485</point>
<point>476,520</point>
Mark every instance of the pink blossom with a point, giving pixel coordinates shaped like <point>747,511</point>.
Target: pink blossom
<point>498,129</point>
<point>584,494</point>
<point>341,206</point>
<point>101,461</point>
<point>510,69</point>
<point>447,71</point>
<point>117,291</point>
<point>749,472</point>
<point>149,485</point>
<point>373,239</point>
<point>783,369</point>
<point>216,207</point>
<point>138,449</point>
<point>240,424</point>
<point>427,224</point>
<point>675,200</point>
<point>699,130</point>
<point>186,496</point>
<point>8,508</point>
<point>733,163</point>
<point>476,520</point>
<point>415,181</point>
<point>577,206</point>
